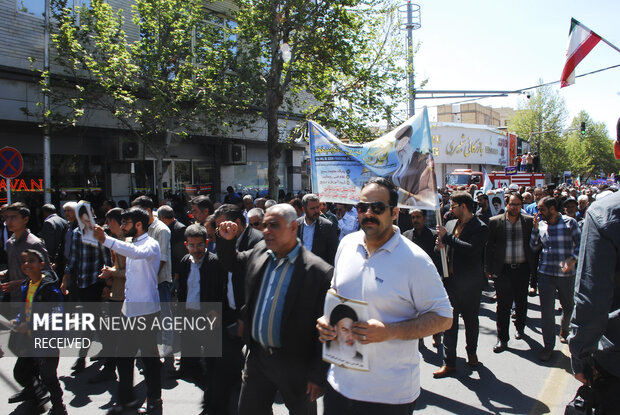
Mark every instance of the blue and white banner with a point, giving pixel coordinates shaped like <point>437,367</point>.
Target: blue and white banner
<point>405,155</point>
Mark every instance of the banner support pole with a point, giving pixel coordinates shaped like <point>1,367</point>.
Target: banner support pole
<point>444,258</point>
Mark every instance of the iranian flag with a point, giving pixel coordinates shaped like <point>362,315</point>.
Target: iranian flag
<point>581,41</point>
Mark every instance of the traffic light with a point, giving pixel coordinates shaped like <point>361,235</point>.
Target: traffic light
<point>582,128</point>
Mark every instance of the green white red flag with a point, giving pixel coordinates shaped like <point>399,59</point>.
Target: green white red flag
<point>581,41</point>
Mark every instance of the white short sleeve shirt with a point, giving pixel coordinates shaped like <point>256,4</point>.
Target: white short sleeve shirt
<point>399,282</point>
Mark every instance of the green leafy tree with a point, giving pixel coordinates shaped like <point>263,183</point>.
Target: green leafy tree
<point>590,153</point>
<point>161,70</point>
<point>335,61</point>
<point>541,119</point>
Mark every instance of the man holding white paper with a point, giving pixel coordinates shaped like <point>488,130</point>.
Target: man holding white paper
<point>406,302</point>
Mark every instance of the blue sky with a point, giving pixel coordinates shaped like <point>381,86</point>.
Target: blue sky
<point>507,45</point>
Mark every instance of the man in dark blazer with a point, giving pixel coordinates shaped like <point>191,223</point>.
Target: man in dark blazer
<point>464,239</point>
<point>53,234</point>
<point>316,233</point>
<point>424,237</point>
<point>211,279</point>
<point>247,237</point>
<point>285,290</point>
<point>510,262</point>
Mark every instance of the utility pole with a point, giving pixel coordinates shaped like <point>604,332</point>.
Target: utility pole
<point>47,158</point>
<point>413,22</point>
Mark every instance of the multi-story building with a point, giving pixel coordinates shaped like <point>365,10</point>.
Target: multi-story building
<point>97,155</point>
<point>474,113</point>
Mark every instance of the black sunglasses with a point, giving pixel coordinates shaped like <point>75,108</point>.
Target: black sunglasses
<point>255,224</point>
<point>377,207</point>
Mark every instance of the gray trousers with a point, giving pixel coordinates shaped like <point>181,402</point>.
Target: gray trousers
<point>547,287</point>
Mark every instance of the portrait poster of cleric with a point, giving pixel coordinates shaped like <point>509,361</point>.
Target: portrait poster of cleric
<point>86,222</point>
<point>404,155</point>
<point>345,350</point>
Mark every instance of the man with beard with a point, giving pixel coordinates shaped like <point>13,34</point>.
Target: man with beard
<point>342,318</point>
<point>464,238</point>
<point>406,301</point>
<point>425,238</point>
<point>484,211</point>
<point>557,237</point>
<point>141,300</point>
<point>315,232</point>
<point>510,261</point>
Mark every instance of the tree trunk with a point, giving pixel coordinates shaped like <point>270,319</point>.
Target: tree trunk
<point>159,167</point>
<point>274,148</point>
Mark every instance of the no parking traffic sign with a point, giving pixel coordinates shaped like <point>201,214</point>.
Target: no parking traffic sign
<point>11,162</point>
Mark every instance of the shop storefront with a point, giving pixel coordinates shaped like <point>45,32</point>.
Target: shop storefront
<point>467,146</point>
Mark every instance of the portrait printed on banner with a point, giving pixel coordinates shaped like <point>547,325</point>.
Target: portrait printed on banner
<point>497,203</point>
<point>414,175</point>
<point>86,222</point>
<point>345,350</point>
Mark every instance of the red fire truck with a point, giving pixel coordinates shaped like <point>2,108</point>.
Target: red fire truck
<point>466,177</point>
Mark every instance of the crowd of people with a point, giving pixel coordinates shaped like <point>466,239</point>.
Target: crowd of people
<point>270,263</point>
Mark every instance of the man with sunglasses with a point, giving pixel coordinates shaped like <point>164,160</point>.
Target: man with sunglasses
<point>464,238</point>
<point>316,233</point>
<point>406,302</point>
<point>255,218</point>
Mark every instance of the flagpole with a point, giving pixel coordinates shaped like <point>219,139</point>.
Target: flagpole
<point>444,258</point>
<point>617,49</point>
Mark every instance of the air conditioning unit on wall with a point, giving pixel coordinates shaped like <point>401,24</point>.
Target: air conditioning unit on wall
<point>234,154</point>
<point>130,149</point>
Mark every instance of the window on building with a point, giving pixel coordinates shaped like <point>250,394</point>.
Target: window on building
<point>34,7</point>
<point>252,177</point>
<point>37,7</point>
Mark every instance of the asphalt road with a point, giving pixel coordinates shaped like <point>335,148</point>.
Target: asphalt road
<point>513,382</point>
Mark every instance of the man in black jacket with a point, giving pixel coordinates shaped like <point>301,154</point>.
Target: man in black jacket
<point>510,262</point>
<point>285,290</point>
<point>53,234</point>
<point>316,233</point>
<point>247,237</point>
<point>464,238</point>
<point>424,237</point>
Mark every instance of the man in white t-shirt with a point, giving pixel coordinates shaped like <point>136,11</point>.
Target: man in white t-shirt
<point>371,265</point>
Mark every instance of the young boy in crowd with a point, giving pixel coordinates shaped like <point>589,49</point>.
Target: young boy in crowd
<point>37,371</point>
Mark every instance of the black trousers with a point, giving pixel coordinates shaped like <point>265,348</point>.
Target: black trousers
<point>511,286</point>
<point>464,294</point>
<point>223,376</point>
<point>267,372</point>
<point>87,296</point>
<point>146,342</point>
<point>109,340</point>
<point>337,404</point>
<point>605,389</point>
<point>28,370</point>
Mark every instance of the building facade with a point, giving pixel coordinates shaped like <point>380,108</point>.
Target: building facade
<point>98,155</point>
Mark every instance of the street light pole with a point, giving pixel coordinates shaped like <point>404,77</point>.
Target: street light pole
<point>47,175</point>
<point>413,23</point>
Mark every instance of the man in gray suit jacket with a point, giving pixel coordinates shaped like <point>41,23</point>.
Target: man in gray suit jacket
<point>316,233</point>
<point>53,234</point>
<point>510,261</point>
